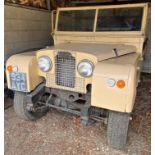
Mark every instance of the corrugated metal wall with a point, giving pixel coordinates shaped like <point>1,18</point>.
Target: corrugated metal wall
<point>25,29</point>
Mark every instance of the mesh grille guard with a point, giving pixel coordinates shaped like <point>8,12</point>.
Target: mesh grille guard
<point>65,69</point>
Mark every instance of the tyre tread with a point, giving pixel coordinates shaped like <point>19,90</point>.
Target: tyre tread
<point>117,129</point>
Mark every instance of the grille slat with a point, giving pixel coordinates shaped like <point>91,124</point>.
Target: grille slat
<point>65,69</point>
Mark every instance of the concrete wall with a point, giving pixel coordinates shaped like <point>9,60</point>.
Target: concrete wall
<point>25,29</point>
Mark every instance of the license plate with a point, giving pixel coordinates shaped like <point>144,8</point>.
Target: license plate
<point>18,81</point>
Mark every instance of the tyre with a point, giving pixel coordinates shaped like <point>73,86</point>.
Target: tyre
<point>117,129</point>
<point>20,105</point>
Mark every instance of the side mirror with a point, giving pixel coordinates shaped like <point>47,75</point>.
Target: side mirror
<point>53,16</point>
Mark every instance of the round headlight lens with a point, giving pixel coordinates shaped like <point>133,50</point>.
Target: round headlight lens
<point>44,63</point>
<point>85,68</point>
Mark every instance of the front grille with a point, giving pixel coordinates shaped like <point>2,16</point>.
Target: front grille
<point>65,69</point>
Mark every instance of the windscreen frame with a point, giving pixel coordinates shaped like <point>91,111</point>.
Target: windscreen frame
<point>97,8</point>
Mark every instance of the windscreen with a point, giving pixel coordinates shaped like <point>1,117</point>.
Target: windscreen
<point>108,19</point>
<point>120,19</point>
<point>76,20</point>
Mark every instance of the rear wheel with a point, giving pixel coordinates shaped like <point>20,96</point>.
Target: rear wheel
<point>117,129</point>
<point>20,107</point>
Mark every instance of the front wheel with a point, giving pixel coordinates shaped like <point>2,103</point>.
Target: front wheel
<point>117,129</point>
<point>20,107</point>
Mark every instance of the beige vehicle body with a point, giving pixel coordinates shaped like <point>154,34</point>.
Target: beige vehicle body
<point>99,48</point>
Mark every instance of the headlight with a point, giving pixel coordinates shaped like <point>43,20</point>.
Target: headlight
<point>45,63</point>
<point>85,68</point>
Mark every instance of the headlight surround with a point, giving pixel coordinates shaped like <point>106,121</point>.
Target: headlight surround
<point>85,68</point>
<point>44,63</point>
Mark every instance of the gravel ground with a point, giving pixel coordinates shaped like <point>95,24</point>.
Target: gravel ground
<point>59,133</point>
